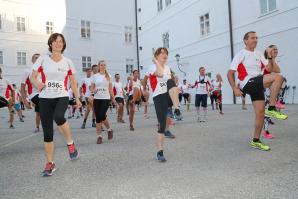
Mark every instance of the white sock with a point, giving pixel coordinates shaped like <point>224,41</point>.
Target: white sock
<point>198,111</point>
<point>69,143</point>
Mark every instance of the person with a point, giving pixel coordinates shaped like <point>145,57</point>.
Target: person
<point>203,87</point>
<point>250,65</point>
<point>217,92</point>
<point>17,105</point>
<point>119,97</point>
<point>186,93</point>
<point>145,98</point>
<point>161,82</point>
<point>85,94</point>
<point>7,97</point>
<point>134,98</point>
<point>55,71</point>
<point>101,95</point>
<point>32,93</point>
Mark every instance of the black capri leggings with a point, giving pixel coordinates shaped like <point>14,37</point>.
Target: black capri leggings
<point>52,109</point>
<point>101,107</point>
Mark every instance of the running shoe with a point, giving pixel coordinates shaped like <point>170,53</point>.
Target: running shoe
<point>93,124</point>
<point>69,117</point>
<point>160,157</point>
<point>275,114</point>
<point>49,169</point>
<point>110,134</point>
<point>122,121</point>
<point>177,115</point>
<point>131,128</point>
<point>78,117</point>
<point>21,120</point>
<point>83,125</point>
<point>168,134</point>
<point>73,153</point>
<point>267,135</point>
<point>279,105</point>
<point>36,130</point>
<point>170,113</point>
<point>244,108</point>
<point>11,127</point>
<point>99,140</point>
<point>259,145</point>
<point>221,113</point>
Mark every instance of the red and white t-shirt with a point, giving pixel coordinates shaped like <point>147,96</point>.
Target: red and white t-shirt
<point>118,89</point>
<point>203,85</point>
<point>101,86</point>
<point>31,90</point>
<point>86,83</point>
<point>248,64</point>
<point>5,88</point>
<point>135,84</point>
<point>158,84</point>
<point>54,75</point>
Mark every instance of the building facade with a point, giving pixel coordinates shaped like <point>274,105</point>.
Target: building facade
<point>199,31</point>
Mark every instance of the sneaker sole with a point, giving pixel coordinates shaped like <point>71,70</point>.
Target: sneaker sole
<point>161,161</point>
<point>255,147</point>
<point>76,158</point>
<point>47,174</point>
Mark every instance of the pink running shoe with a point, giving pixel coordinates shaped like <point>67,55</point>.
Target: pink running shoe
<point>267,135</point>
<point>279,105</point>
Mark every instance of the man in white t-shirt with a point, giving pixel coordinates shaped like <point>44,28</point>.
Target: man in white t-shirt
<point>250,65</point>
<point>119,97</point>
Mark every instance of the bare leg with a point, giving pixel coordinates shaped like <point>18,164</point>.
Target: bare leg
<point>259,107</point>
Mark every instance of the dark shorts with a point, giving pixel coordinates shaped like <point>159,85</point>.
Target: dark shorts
<point>119,100</point>
<point>255,88</point>
<point>185,95</point>
<point>35,101</point>
<point>72,102</point>
<point>201,100</point>
<point>3,102</point>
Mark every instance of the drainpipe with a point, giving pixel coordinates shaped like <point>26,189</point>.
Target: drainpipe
<point>231,38</point>
<point>137,34</point>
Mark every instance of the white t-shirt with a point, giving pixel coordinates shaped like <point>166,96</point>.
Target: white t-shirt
<point>202,85</point>
<point>158,84</point>
<point>185,88</point>
<point>101,86</point>
<point>248,64</point>
<point>31,90</point>
<point>54,75</point>
<point>216,85</point>
<point>86,83</point>
<point>5,88</point>
<point>135,84</point>
<point>118,89</point>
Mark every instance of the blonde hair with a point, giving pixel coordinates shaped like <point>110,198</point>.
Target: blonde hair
<point>219,77</point>
<point>107,75</point>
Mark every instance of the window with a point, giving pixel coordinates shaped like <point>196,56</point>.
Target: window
<point>85,29</point>
<point>1,57</point>
<point>86,62</point>
<point>49,27</point>
<point>159,5</point>
<point>165,40</point>
<point>267,6</point>
<point>0,22</point>
<point>168,3</point>
<point>205,25</point>
<point>21,25</point>
<point>129,66</point>
<point>128,34</point>
<point>21,56</point>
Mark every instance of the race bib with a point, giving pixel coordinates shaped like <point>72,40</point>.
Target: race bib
<point>54,87</point>
<point>163,87</point>
<point>102,91</point>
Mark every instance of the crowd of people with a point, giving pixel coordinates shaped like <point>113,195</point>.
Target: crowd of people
<point>50,87</point>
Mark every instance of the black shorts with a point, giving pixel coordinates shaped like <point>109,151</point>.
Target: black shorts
<point>35,101</point>
<point>3,102</point>
<point>143,98</point>
<point>161,104</point>
<point>201,100</point>
<point>101,107</point>
<point>130,99</point>
<point>72,102</point>
<point>255,88</point>
<point>185,95</point>
<point>119,100</point>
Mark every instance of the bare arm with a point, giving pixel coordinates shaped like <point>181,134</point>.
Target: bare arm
<point>231,78</point>
<point>74,87</point>
<point>23,94</point>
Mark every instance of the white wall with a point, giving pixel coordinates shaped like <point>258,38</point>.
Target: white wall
<point>181,20</point>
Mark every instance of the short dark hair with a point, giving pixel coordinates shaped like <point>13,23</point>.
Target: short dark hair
<point>133,72</point>
<point>246,35</point>
<point>202,67</point>
<point>159,50</point>
<point>93,66</point>
<point>53,38</point>
<point>116,74</point>
<point>35,54</point>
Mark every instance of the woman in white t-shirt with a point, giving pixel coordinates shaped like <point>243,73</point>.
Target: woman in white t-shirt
<point>101,95</point>
<point>55,71</point>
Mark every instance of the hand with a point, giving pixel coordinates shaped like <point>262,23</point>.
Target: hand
<point>78,103</point>
<point>270,53</point>
<point>114,102</point>
<point>27,105</point>
<point>237,92</point>
<point>40,87</point>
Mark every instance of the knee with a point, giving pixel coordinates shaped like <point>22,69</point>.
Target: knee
<point>48,137</point>
<point>279,77</point>
<point>59,119</point>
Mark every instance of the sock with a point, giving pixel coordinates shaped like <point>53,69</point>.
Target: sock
<point>70,143</point>
<point>93,120</point>
<point>271,108</point>
<point>85,120</point>
<point>109,129</point>
<point>256,140</point>
<point>160,152</point>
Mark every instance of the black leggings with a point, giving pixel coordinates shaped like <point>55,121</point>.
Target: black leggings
<point>52,109</point>
<point>3,102</point>
<point>161,103</point>
<point>101,107</point>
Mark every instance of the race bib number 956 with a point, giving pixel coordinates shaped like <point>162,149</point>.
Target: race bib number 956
<point>54,87</point>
